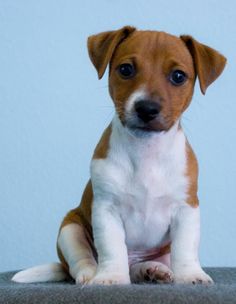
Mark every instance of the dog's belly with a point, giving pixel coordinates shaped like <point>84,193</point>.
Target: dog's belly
<point>145,199</point>
<point>146,221</point>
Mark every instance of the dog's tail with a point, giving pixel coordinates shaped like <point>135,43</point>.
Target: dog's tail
<point>53,272</point>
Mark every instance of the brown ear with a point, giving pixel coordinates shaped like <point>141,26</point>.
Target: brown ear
<point>208,63</point>
<point>102,46</point>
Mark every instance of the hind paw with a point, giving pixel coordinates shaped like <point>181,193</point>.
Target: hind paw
<point>151,271</point>
<point>85,275</point>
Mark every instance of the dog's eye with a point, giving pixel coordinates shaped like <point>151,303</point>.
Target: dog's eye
<point>177,77</point>
<point>126,70</point>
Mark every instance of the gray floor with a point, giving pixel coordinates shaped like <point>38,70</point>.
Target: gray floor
<point>223,291</point>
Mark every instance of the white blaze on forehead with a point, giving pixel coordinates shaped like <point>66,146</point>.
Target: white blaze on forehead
<point>134,97</point>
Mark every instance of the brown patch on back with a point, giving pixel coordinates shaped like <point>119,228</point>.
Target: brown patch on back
<point>192,174</point>
<point>103,145</point>
<point>81,216</point>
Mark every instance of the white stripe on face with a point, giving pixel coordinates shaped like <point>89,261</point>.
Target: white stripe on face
<point>133,98</point>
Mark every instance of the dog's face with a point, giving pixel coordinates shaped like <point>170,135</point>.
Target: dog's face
<point>152,74</point>
<point>151,80</point>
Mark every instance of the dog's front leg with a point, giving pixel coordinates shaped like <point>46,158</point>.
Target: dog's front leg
<point>185,235</point>
<point>109,240</point>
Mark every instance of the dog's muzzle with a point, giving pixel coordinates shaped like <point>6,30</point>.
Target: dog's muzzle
<point>145,117</point>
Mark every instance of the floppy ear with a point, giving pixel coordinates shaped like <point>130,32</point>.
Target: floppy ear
<point>102,46</point>
<point>208,63</point>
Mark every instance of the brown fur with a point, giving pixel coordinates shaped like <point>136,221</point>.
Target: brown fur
<point>103,145</point>
<point>192,174</point>
<point>153,73</point>
<point>102,47</point>
<point>208,63</point>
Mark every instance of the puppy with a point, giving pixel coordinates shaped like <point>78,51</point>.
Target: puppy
<point>139,215</point>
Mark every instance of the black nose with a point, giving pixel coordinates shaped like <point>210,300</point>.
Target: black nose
<point>147,110</point>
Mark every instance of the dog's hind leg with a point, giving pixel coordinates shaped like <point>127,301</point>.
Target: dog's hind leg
<point>76,253</point>
<point>75,245</point>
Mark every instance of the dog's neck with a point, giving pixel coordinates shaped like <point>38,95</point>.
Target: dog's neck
<point>158,142</point>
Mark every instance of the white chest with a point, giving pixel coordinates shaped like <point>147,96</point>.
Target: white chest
<point>145,180</point>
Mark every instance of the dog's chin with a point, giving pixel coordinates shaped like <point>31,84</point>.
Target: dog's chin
<point>145,129</point>
<point>142,132</point>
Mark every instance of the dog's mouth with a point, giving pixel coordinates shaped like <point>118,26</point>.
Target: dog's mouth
<point>136,125</point>
<point>147,129</point>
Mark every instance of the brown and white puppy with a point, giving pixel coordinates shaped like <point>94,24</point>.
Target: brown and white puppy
<point>139,215</point>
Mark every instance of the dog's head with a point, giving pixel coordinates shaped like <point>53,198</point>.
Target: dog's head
<point>152,74</point>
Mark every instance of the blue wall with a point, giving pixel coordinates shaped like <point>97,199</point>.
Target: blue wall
<point>53,110</point>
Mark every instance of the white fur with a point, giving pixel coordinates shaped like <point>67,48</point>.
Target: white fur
<point>136,96</point>
<point>142,180</point>
<point>77,252</point>
<point>138,189</point>
<point>185,235</point>
<point>137,256</point>
<point>42,273</point>
<point>109,239</point>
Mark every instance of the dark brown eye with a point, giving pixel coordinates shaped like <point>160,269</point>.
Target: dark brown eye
<point>126,70</point>
<point>178,77</point>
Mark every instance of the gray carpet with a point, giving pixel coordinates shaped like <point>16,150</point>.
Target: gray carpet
<point>224,291</point>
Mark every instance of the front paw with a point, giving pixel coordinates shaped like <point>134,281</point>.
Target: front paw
<point>109,278</point>
<point>191,276</point>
